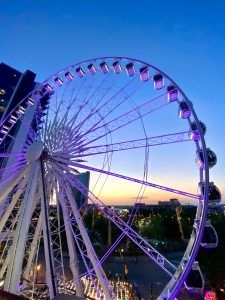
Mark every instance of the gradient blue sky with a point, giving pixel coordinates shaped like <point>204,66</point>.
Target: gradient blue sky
<point>186,39</point>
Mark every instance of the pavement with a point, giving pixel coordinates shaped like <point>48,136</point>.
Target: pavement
<point>148,278</point>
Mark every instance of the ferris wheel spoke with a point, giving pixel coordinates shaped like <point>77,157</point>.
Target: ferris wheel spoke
<point>61,123</point>
<point>68,164</point>
<point>15,154</point>
<point>74,130</point>
<point>72,101</point>
<point>12,167</point>
<point>157,186</point>
<point>129,117</point>
<point>132,144</point>
<point>148,249</point>
<point>108,106</point>
<point>10,171</point>
<point>59,104</point>
<point>72,121</point>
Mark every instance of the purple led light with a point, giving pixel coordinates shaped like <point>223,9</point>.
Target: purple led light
<point>13,119</point>
<point>30,101</point>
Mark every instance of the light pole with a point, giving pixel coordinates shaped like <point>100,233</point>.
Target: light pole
<point>37,270</point>
<point>122,254</point>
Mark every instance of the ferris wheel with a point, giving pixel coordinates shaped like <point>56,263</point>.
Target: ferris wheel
<point>113,121</point>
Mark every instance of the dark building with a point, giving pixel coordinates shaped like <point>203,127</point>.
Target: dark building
<point>79,197</point>
<point>173,203</point>
<point>14,86</point>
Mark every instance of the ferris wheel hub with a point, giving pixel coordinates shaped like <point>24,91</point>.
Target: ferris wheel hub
<point>34,151</point>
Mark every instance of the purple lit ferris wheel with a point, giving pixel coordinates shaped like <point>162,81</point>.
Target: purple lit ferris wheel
<point>115,118</point>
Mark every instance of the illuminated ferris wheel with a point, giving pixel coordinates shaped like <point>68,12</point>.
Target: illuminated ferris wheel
<point>113,119</point>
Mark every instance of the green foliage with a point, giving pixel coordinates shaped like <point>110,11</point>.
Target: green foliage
<point>212,261</point>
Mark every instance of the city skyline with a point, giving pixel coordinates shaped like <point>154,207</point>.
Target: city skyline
<point>186,43</point>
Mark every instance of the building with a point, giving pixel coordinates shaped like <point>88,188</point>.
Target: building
<point>14,86</point>
<point>173,203</point>
<point>79,197</point>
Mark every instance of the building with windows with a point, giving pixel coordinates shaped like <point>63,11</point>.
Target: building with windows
<point>14,86</point>
<point>81,199</point>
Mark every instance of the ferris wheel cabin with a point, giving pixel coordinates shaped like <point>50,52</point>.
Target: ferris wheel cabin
<point>130,69</point>
<point>117,67</point>
<point>211,156</point>
<point>172,93</point>
<point>158,81</point>
<point>92,69</point>
<point>184,111</point>
<point>214,193</point>
<point>144,74</point>
<point>210,237</point>
<point>194,133</point>
<point>195,282</point>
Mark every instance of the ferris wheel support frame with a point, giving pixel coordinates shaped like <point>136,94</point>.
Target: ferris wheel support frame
<point>33,248</point>
<point>50,274</point>
<point>72,250</point>
<point>12,280</point>
<point>89,248</point>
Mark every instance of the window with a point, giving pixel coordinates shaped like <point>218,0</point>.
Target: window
<point>2,92</point>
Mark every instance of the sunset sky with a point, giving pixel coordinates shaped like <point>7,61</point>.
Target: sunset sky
<point>185,39</point>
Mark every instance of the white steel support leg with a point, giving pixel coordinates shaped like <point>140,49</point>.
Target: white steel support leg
<point>4,191</point>
<point>60,242</point>
<point>14,269</point>
<point>5,264</point>
<point>72,251</point>
<point>33,248</point>
<point>12,203</point>
<point>5,255</point>
<point>91,252</point>
<point>50,272</point>
<point>8,247</point>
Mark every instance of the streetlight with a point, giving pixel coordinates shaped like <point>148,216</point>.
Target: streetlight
<point>37,270</point>
<point>122,253</point>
